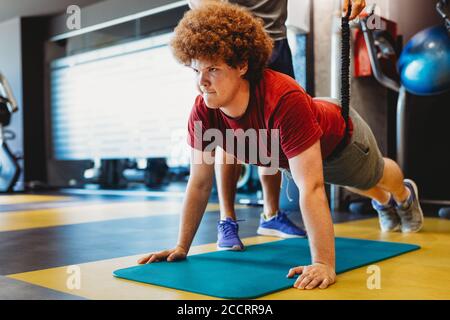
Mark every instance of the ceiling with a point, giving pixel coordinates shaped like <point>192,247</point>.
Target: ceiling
<point>15,8</point>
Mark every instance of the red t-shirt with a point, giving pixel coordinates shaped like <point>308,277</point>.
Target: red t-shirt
<point>276,102</point>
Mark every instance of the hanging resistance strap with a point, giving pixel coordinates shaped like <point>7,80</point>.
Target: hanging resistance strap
<point>345,79</point>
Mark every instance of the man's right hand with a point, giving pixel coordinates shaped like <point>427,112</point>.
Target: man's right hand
<point>178,253</point>
<point>357,7</point>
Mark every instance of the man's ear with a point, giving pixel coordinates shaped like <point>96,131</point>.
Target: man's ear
<point>243,68</point>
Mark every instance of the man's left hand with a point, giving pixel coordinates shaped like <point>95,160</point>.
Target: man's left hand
<point>316,275</point>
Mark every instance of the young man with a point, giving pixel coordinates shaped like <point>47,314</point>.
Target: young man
<point>228,50</point>
<point>273,221</point>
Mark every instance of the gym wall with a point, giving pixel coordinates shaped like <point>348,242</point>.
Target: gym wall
<point>368,97</point>
<point>33,88</point>
<point>63,42</point>
<point>420,15</point>
<point>121,25</point>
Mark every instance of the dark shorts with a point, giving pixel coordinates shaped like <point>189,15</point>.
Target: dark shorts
<point>281,59</point>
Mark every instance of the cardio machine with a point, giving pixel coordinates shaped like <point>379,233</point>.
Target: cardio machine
<point>9,167</point>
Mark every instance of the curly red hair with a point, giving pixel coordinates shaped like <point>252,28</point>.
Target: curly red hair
<point>221,31</point>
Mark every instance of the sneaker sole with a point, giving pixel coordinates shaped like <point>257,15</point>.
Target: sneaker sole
<point>233,248</point>
<point>416,191</point>
<point>397,228</point>
<point>276,233</point>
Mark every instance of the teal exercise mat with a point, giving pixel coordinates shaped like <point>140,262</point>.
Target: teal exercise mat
<point>258,270</point>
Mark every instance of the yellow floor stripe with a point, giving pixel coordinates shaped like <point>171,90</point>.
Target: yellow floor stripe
<point>16,199</point>
<point>20,220</point>
<point>422,274</point>
<point>97,281</point>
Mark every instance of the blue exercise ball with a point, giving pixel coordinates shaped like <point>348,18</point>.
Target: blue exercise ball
<point>424,65</point>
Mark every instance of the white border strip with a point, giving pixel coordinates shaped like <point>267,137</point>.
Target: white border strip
<point>140,193</point>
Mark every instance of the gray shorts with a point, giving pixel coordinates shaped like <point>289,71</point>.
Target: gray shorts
<point>360,164</point>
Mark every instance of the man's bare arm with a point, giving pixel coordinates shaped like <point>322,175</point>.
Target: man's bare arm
<point>194,205</point>
<point>307,172</point>
<point>197,194</point>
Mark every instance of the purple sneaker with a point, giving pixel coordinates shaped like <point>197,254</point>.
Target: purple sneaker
<point>387,216</point>
<point>227,234</point>
<point>410,212</point>
<point>280,226</point>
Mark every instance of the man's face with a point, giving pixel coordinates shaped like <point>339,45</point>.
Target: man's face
<point>217,82</point>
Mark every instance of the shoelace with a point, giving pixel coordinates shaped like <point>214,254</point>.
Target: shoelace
<point>228,227</point>
<point>282,216</point>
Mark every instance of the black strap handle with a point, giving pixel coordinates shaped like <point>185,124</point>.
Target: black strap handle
<point>345,69</point>
<point>345,82</point>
